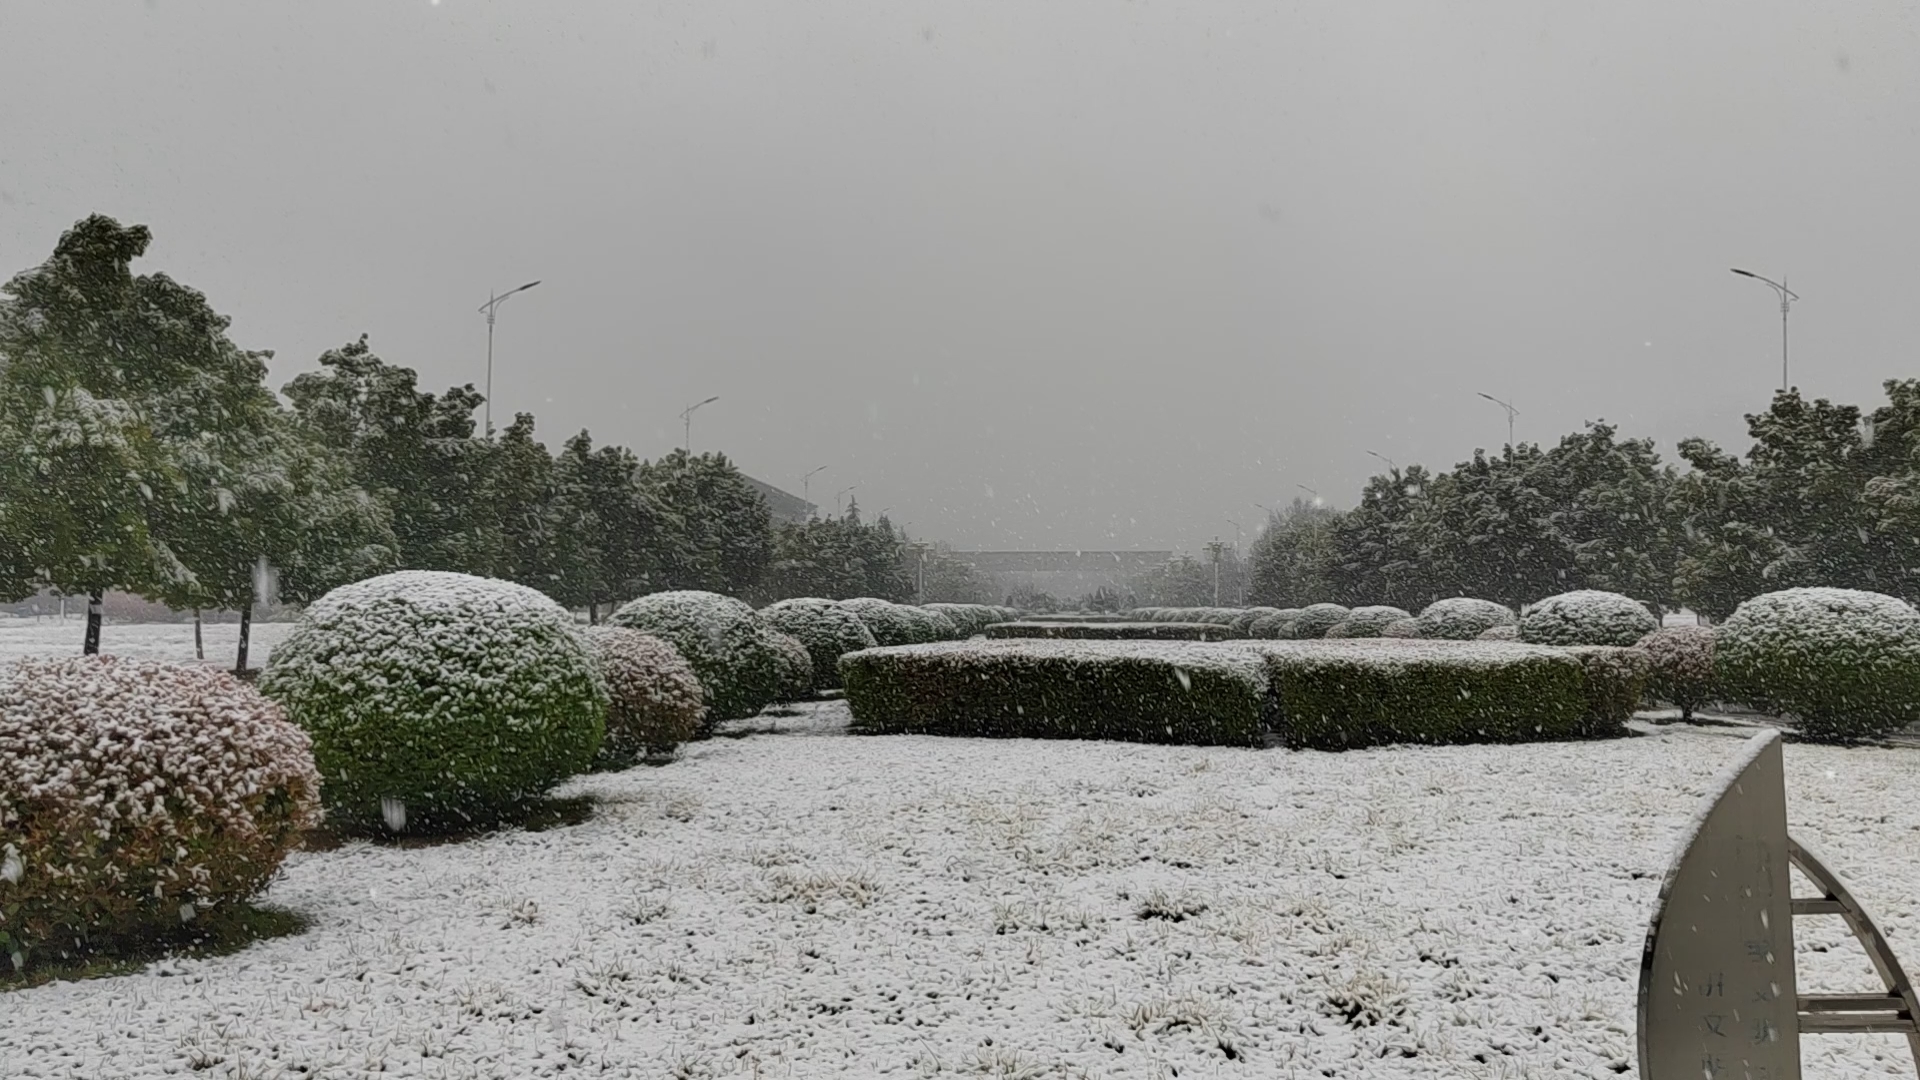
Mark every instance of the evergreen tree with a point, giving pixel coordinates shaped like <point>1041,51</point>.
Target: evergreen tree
<point>87,352</point>
<point>718,533</point>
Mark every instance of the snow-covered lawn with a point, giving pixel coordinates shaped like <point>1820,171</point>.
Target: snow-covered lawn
<point>147,641</point>
<point>804,902</point>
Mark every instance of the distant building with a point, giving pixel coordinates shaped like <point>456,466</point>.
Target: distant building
<point>784,505</point>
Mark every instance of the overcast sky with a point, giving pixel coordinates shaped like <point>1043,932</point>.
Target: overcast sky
<point>1033,273</point>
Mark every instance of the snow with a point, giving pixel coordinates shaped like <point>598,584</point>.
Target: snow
<point>50,636</point>
<point>807,903</point>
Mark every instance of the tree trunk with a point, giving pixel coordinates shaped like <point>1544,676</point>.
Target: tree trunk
<point>246,631</point>
<point>593,613</point>
<point>199,645</point>
<point>96,605</point>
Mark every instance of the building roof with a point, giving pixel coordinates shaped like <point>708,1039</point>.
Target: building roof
<point>785,506</point>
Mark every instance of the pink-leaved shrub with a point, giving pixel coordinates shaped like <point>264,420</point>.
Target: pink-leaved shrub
<point>657,702</point>
<point>135,795</point>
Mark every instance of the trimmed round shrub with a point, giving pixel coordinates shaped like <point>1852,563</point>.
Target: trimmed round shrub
<point>1242,624</point>
<point>934,625</point>
<point>656,700</point>
<point>1509,632</point>
<point>1463,618</point>
<point>1587,617</point>
<point>1367,622</point>
<point>968,619</point>
<point>458,696</point>
<point>1402,628</point>
<point>1844,664</point>
<point>796,666</point>
<point>826,628</point>
<point>136,794</point>
<point>1315,620</point>
<point>1682,666</point>
<point>888,622</point>
<point>724,640</point>
<point>1277,625</point>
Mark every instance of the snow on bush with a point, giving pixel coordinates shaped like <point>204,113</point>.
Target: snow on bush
<point>1402,628</point>
<point>1111,631</point>
<point>1616,684</point>
<point>1343,694</point>
<point>1367,622</point>
<point>656,700</point>
<point>796,666</point>
<point>1509,632</point>
<point>1463,618</point>
<point>1682,666</point>
<point>1587,617</point>
<point>1279,624</point>
<point>968,619</point>
<point>1844,663</point>
<point>888,622</point>
<point>1315,620</point>
<point>828,629</point>
<point>1138,691</point>
<point>134,794</point>
<point>933,626</point>
<point>459,696</point>
<point>1242,625</point>
<point>722,638</point>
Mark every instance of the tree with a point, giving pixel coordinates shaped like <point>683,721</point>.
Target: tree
<point>718,531</point>
<point>84,357</point>
<point>838,558</point>
<point>1290,558</point>
<point>413,451</point>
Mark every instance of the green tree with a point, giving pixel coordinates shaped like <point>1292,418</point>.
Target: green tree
<point>415,452</point>
<point>86,352</point>
<point>1291,558</point>
<point>718,533</point>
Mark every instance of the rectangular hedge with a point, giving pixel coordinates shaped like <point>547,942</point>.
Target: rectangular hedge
<point>1096,630</point>
<point>1137,691</point>
<point>1351,693</point>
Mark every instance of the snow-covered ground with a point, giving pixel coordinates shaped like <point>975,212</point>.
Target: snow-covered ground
<point>797,901</point>
<point>50,636</point>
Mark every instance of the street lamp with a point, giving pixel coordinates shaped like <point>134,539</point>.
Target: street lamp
<point>806,484</point>
<point>1787,297</point>
<point>688,417</point>
<point>492,305</point>
<point>1511,413</point>
<point>836,498</point>
<point>1386,459</point>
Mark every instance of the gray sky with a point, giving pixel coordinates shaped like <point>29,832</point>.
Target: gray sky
<point>1085,273</point>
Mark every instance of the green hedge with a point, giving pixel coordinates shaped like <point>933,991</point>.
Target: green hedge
<point>1345,694</point>
<point>1616,685</point>
<point>1152,692</point>
<point>1111,631</point>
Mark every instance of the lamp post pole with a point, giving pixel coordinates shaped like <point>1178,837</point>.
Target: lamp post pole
<point>488,309</point>
<point>1787,297</point>
<point>837,498</point>
<point>806,485</point>
<point>688,417</point>
<point>1511,413</point>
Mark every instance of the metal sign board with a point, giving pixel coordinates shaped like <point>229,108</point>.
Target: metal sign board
<point>1717,992</point>
<point>1718,995</point>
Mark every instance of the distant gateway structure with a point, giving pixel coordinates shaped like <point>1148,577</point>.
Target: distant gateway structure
<point>1063,574</point>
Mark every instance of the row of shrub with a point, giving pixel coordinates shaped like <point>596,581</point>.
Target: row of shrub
<point>1110,630</point>
<point>1842,664</point>
<point>1329,695</point>
<point>135,795</point>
